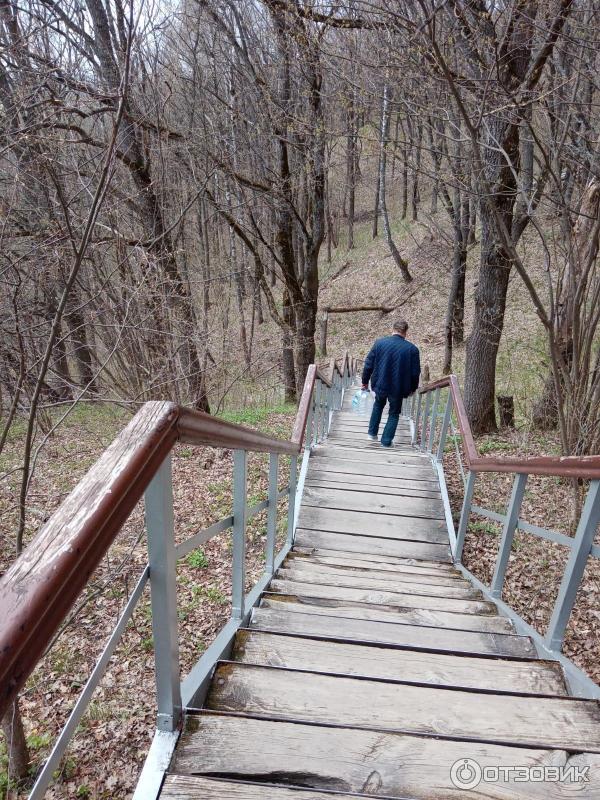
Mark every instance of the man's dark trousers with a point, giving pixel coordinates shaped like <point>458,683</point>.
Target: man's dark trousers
<point>390,426</point>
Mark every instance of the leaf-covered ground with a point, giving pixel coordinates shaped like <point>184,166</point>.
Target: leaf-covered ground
<point>111,743</point>
<point>536,566</point>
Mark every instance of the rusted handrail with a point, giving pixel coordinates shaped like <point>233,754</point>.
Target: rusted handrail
<point>585,467</point>
<point>42,585</point>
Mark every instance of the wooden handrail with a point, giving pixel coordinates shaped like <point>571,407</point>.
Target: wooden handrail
<point>585,467</point>
<point>42,585</point>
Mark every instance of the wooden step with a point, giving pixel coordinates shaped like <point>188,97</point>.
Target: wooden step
<point>400,444</point>
<point>408,575</point>
<point>193,787</point>
<point>376,763</point>
<point>364,484</point>
<point>373,504</point>
<point>380,456</point>
<point>409,616</point>
<point>356,543</point>
<point>334,480</point>
<point>316,516</point>
<point>374,561</point>
<point>414,666</point>
<point>373,470</point>
<point>488,623</point>
<point>454,590</point>
<point>541,722</point>
<point>380,597</point>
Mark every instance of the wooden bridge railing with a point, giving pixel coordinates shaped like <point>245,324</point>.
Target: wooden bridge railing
<point>438,409</point>
<point>40,588</point>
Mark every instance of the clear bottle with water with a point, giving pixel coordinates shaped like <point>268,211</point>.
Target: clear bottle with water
<point>361,402</point>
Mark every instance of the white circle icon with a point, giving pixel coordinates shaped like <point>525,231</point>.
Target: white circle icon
<point>466,773</point>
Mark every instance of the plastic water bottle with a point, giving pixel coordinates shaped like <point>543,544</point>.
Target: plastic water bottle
<point>360,401</point>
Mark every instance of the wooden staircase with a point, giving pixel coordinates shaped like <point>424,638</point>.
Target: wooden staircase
<point>371,666</point>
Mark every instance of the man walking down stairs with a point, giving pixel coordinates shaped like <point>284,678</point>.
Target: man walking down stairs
<point>393,367</point>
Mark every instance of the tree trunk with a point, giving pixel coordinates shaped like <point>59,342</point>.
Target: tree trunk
<point>306,323</point>
<point>484,341</point>
<point>16,744</point>
<point>383,141</point>
<point>289,372</point>
<point>350,169</point>
<point>456,299</point>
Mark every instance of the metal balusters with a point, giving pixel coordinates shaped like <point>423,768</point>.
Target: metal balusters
<point>444,429</point>
<point>425,421</point>
<point>317,418</point>
<point>415,435</point>
<point>161,556</point>
<point>292,499</point>
<point>434,415</point>
<point>508,534</point>
<point>272,513</point>
<point>464,516</point>
<point>582,543</point>
<point>240,498</point>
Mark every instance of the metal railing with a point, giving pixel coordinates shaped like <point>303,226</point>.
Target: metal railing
<point>40,588</point>
<point>438,411</point>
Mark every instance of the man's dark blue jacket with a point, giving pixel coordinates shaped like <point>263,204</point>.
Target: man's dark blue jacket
<point>393,367</point>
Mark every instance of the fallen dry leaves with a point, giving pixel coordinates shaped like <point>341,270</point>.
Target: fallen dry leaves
<point>109,747</point>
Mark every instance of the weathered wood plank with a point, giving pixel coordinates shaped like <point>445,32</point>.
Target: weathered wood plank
<point>373,503</point>
<point>416,666</point>
<point>314,567</point>
<point>383,526</point>
<point>546,722</point>
<point>272,616</point>
<point>363,487</point>
<point>193,787</point>
<point>381,597</point>
<point>327,463</point>
<point>370,544</point>
<point>385,764</point>
<point>373,561</point>
<point>395,614</point>
<point>390,585</point>
<point>393,484</point>
<point>400,444</point>
<point>390,458</point>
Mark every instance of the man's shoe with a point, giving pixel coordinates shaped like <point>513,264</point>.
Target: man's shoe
<point>372,437</point>
<point>386,445</point>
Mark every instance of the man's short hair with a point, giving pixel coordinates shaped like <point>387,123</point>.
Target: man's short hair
<point>400,326</point>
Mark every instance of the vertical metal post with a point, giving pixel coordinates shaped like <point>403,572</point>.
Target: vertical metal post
<point>508,534</point>
<point>412,404</point>
<point>240,510</point>
<point>308,433</point>
<point>434,414</point>
<point>464,516</point>
<point>292,498</point>
<point>425,420</point>
<point>417,415</point>
<point>444,429</point>
<point>272,513</point>
<point>317,418</point>
<point>161,555</point>
<point>580,550</point>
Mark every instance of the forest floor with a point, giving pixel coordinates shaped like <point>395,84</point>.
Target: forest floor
<point>108,749</point>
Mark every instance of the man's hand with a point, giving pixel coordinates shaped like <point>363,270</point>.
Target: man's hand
<point>364,387</point>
